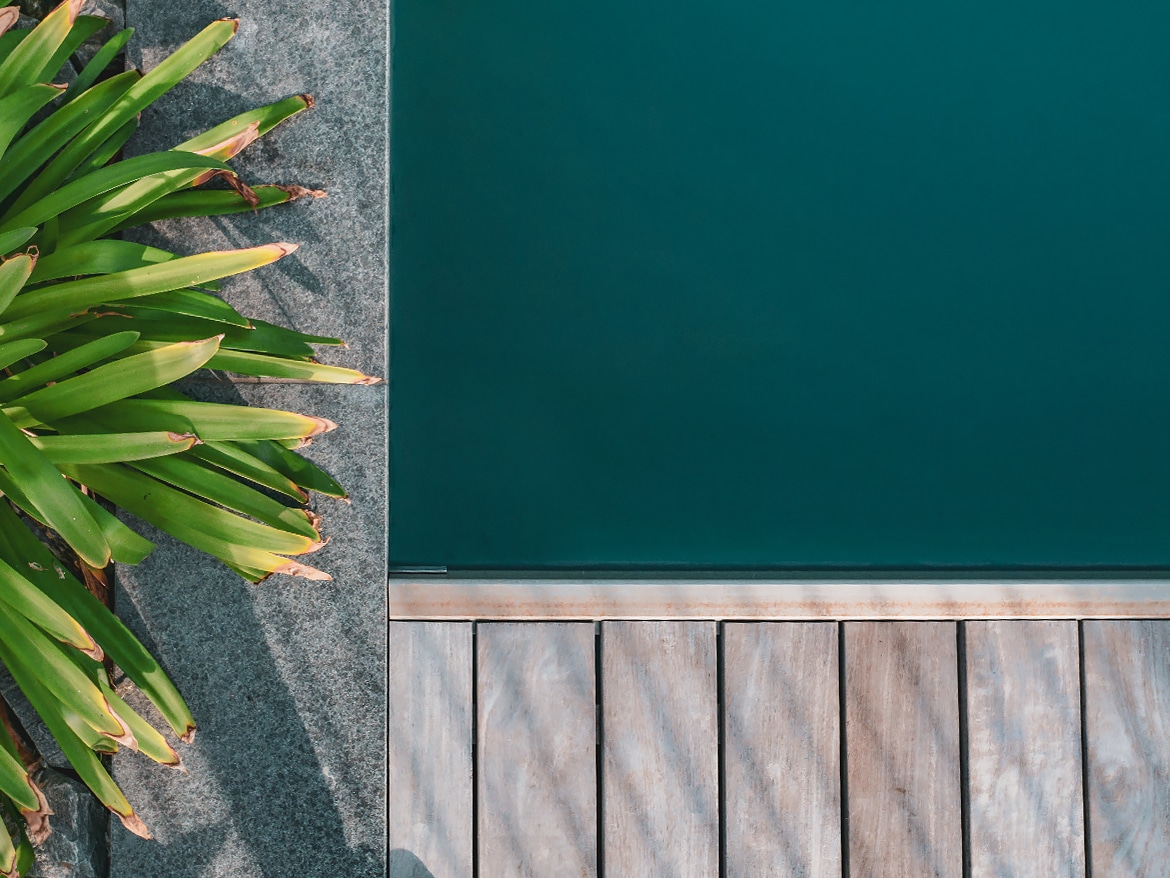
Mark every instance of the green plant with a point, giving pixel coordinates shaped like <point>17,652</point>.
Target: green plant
<point>93,331</point>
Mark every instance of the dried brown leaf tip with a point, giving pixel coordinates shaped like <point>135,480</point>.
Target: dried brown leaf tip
<point>9,16</point>
<point>292,568</point>
<point>295,192</point>
<point>231,146</point>
<point>134,823</point>
<point>38,821</point>
<point>321,425</point>
<point>310,102</point>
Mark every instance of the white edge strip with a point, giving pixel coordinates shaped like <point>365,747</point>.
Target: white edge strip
<point>438,597</point>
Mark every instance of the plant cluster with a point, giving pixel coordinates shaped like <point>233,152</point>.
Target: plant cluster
<point>94,330</point>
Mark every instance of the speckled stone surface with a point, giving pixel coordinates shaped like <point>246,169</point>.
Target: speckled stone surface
<point>287,681</point>
<point>77,846</point>
<point>336,284</point>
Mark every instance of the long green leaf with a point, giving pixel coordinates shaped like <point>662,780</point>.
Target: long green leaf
<point>14,274</point>
<point>16,784</point>
<point>184,515</point>
<point>103,180</point>
<point>35,605</point>
<point>211,202</point>
<point>196,478</point>
<point>99,63</point>
<point>24,65</point>
<point>113,447</point>
<point>126,546</point>
<point>81,357</point>
<point>97,257</point>
<point>187,271</point>
<point>9,241</point>
<point>18,108</point>
<point>188,303</point>
<point>229,458</point>
<point>117,380</point>
<point>87,765</point>
<point>301,470</point>
<point>226,536</point>
<point>59,674</point>
<point>84,27</point>
<point>109,631</point>
<point>211,422</point>
<point>265,118</point>
<point>142,94</point>
<point>260,365</point>
<point>55,499</point>
<point>37,146</point>
<point>16,351</point>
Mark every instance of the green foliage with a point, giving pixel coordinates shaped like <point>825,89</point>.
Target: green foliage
<point>93,331</point>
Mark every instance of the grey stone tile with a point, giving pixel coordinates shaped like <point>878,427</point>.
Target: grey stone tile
<point>287,681</point>
<point>337,283</point>
<point>77,846</point>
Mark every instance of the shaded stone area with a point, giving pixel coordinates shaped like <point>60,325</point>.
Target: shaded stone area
<point>336,284</point>
<point>287,681</point>
<point>77,847</point>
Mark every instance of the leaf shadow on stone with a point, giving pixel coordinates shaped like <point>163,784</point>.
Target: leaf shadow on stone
<point>404,864</point>
<point>254,771</point>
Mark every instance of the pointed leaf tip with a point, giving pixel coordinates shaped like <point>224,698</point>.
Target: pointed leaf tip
<point>321,425</point>
<point>134,823</point>
<point>9,16</point>
<point>285,248</point>
<point>235,22</point>
<point>292,568</point>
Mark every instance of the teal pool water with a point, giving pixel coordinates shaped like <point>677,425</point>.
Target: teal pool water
<point>780,284</point>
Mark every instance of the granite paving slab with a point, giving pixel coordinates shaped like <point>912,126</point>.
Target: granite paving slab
<point>287,681</point>
<point>336,284</point>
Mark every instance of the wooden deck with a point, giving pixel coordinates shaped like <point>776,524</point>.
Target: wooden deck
<point>753,749</point>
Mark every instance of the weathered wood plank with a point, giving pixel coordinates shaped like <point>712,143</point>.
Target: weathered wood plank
<point>1127,715</point>
<point>660,750</point>
<point>537,765</point>
<point>1024,730</point>
<point>782,751</point>
<point>566,597</point>
<point>902,749</point>
<point>430,741</point>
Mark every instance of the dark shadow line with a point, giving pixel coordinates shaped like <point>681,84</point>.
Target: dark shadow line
<point>721,748</point>
<point>600,748</point>
<point>475,772</point>
<point>964,747</point>
<point>1084,746</point>
<point>841,695</point>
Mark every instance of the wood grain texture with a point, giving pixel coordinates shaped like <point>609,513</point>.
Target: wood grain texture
<point>902,749</point>
<point>660,750</point>
<point>1127,716</point>
<point>537,765</point>
<point>430,740</point>
<point>563,597</point>
<point>1024,728</point>
<point>782,762</point>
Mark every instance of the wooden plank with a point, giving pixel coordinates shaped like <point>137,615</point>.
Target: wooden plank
<point>1127,717</point>
<point>537,765</point>
<point>660,741</point>
<point>902,749</point>
<point>1024,731</point>
<point>782,751</point>
<point>430,740</point>
<point>543,597</point>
